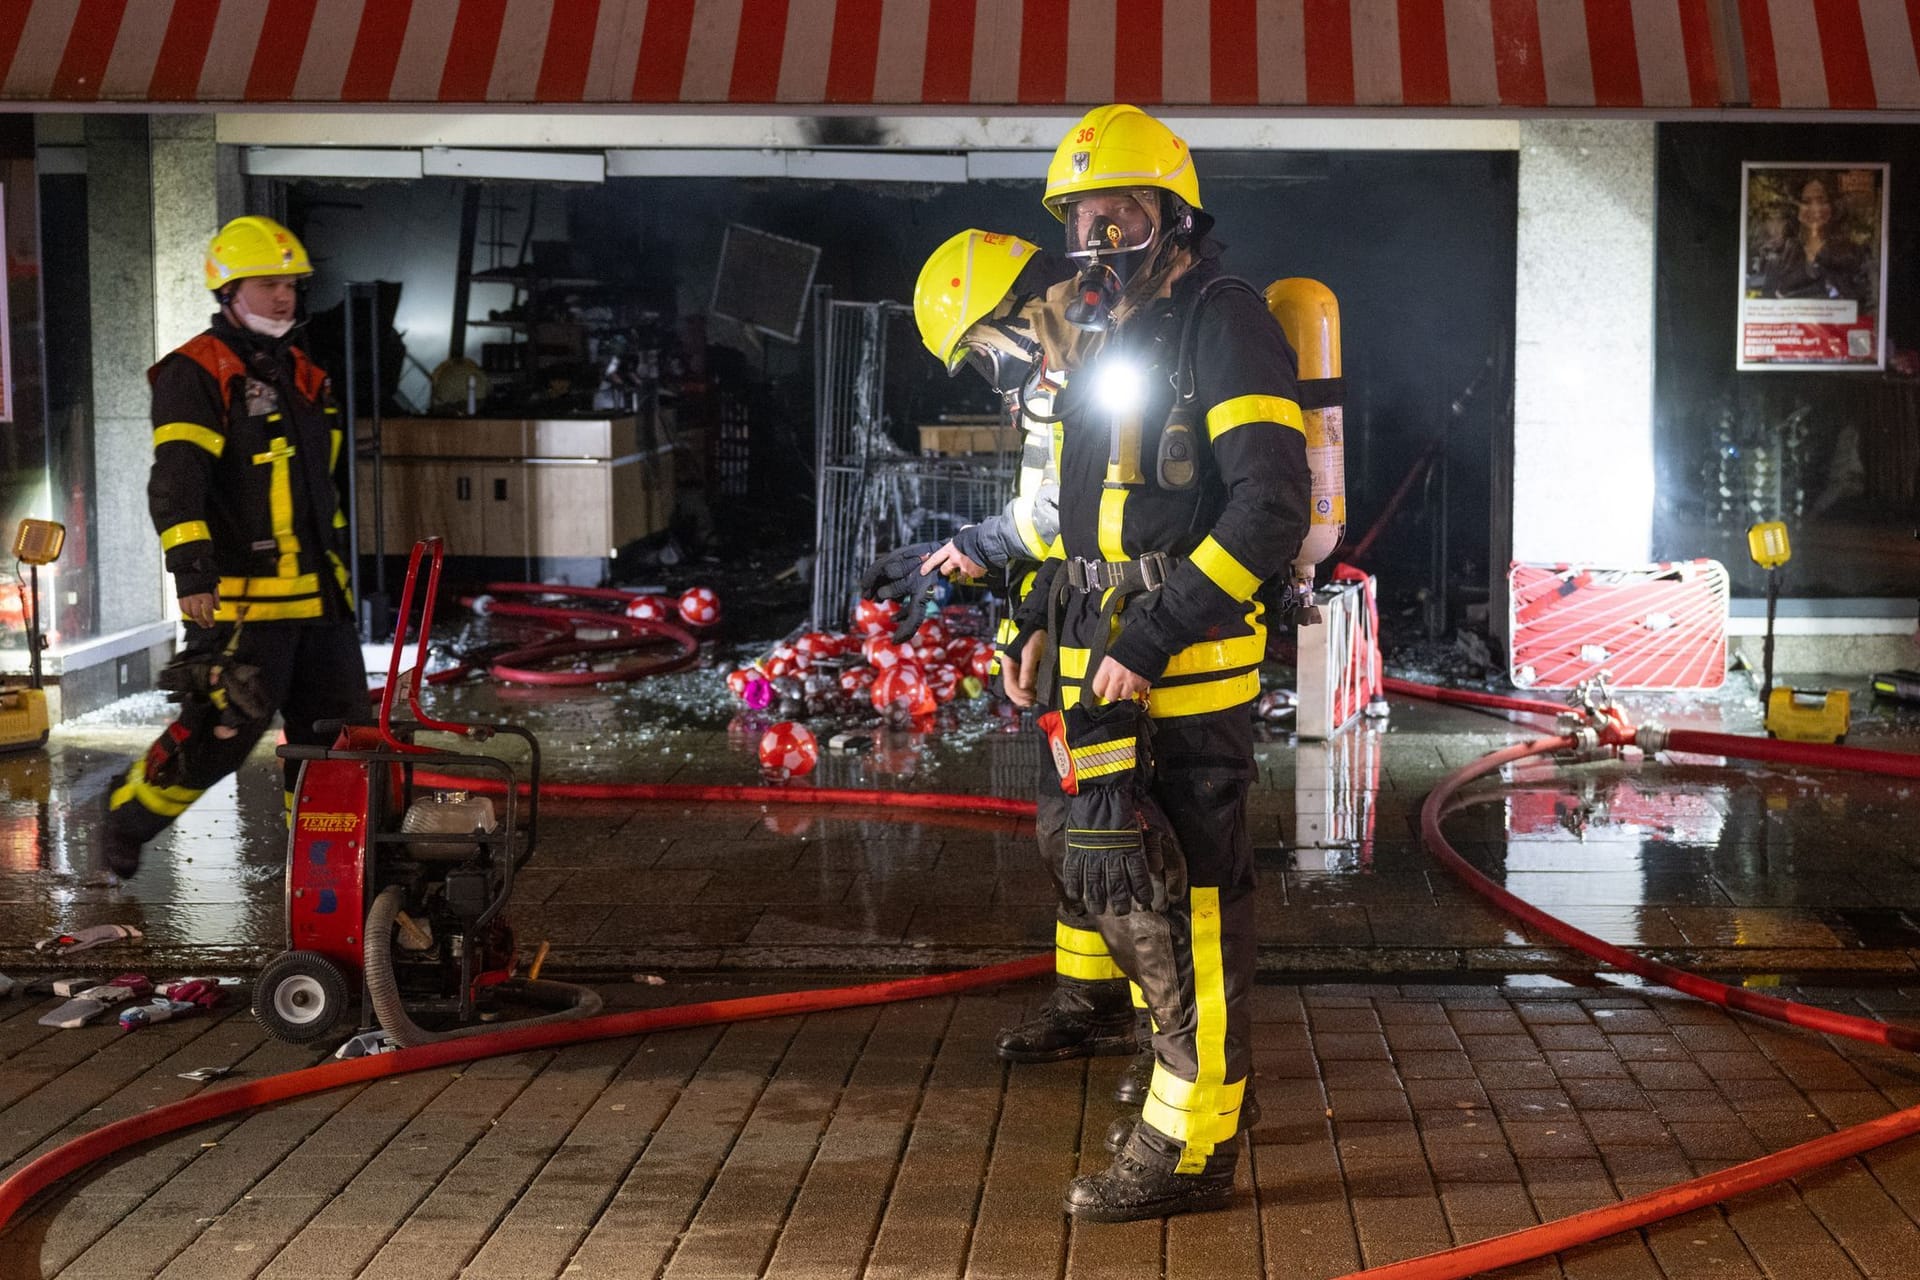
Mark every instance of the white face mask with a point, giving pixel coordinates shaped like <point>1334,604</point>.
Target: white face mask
<point>258,324</point>
<point>266,328</point>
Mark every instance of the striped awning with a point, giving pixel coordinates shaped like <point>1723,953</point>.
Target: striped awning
<point>1854,55</point>
<point>1666,55</point>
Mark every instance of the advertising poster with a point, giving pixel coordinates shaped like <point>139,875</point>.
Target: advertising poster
<point>6,306</point>
<point>1813,266</point>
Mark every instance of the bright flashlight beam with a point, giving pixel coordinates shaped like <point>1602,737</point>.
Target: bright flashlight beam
<point>1120,386</point>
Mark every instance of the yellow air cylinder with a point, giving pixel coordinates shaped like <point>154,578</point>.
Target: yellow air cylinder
<point>1310,315</point>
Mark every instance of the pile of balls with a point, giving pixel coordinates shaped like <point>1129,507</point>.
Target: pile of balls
<point>827,673</point>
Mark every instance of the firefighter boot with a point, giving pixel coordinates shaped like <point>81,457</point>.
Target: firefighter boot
<point>116,854</point>
<point>1131,1091</point>
<point>1081,1020</point>
<point>1122,1127</point>
<point>1142,1181</point>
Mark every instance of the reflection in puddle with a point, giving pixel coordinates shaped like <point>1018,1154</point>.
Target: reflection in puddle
<point>1336,787</point>
<point>1592,806</point>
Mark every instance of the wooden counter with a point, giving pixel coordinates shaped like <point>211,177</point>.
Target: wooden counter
<point>546,487</point>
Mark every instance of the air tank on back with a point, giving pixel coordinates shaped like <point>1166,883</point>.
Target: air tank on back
<point>1310,315</point>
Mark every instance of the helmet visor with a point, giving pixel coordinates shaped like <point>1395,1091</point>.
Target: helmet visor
<point>1108,222</point>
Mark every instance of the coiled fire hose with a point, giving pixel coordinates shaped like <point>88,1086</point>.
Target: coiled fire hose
<point>1684,1197</point>
<point>516,665</point>
<point>1451,1264</point>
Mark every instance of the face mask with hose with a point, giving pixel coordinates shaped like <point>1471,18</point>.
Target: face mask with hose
<point>1002,347</point>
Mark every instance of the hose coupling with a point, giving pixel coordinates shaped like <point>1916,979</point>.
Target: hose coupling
<point>1651,737</point>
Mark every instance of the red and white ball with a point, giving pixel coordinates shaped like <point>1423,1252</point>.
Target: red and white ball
<point>902,689</point>
<point>816,645</point>
<point>700,606</point>
<point>651,609</point>
<point>944,680</point>
<point>875,617</point>
<point>789,750</point>
<point>855,679</point>
<point>882,653</point>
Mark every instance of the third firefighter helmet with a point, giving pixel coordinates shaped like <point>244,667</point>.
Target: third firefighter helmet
<point>964,280</point>
<point>1119,146</point>
<point>254,246</point>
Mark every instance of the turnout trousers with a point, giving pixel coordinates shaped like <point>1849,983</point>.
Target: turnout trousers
<point>1194,965</point>
<point>1079,949</point>
<point>313,671</point>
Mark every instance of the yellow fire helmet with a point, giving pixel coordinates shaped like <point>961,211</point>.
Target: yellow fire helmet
<point>254,246</point>
<point>964,280</point>
<point>1119,146</point>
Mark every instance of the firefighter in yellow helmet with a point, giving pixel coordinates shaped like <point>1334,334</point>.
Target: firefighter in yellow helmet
<point>1183,487</point>
<point>246,438</point>
<point>975,303</point>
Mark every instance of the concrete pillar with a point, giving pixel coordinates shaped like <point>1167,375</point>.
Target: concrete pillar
<point>120,266</point>
<point>186,211</point>
<point>154,195</point>
<point>1582,478</point>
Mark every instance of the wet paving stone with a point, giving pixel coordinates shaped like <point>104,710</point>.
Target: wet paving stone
<point>890,1142</point>
<point>1742,868</point>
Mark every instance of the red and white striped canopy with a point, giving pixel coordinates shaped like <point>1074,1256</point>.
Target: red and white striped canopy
<point>1841,54</point>
<point>1515,54</point>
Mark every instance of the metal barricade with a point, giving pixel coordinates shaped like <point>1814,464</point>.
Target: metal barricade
<point>873,494</point>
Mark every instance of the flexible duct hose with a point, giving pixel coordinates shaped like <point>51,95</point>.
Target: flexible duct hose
<point>574,1002</point>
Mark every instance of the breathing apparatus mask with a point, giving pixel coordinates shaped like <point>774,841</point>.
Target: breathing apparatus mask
<point>1119,238</point>
<point>1001,348</point>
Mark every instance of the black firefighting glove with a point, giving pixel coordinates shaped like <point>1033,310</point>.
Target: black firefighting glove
<point>897,576</point>
<point>1119,843</point>
<point>235,689</point>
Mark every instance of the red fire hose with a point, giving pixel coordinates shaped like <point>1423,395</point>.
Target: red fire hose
<point>565,591</point>
<point>1668,1202</point>
<point>515,667</point>
<point>73,1156</point>
<point>703,793</point>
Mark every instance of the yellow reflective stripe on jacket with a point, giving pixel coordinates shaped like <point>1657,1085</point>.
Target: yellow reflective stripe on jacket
<point>190,433</point>
<point>1196,659</point>
<point>305,584</point>
<point>1218,655</point>
<point>1241,410</point>
<point>1113,517</point>
<point>1029,533</point>
<point>1168,702</point>
<point>333,457</point>
<point>1224,571</point>
<point>185,531</point>
<point>280,500</point>
<point>270,610</point>
<point>341,576</point>
<point>1082,954</point>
